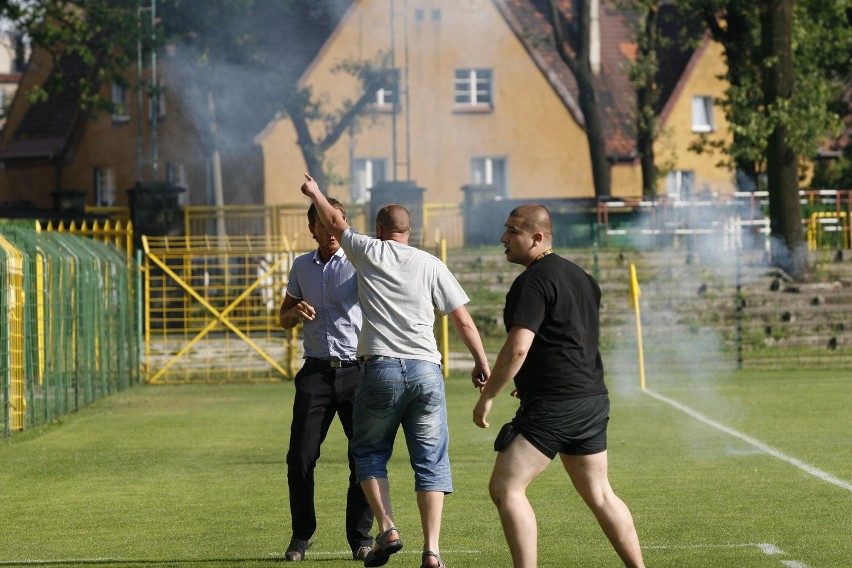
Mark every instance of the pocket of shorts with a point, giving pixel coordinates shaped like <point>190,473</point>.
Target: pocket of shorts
<point>379,398</point>
<point>505,437</point>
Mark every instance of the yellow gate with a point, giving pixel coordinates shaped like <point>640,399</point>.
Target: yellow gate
<point>211,309</point>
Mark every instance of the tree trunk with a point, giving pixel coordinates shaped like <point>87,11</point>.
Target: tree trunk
<point>581,67</point>
<point>646,117</point>
<point>785,212</point>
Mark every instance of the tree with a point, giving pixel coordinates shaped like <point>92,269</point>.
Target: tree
<point>580,65</point>
<point>785,65</point>
<point>785,212</point>
<point>242,61</point>
<point>103,34</point>
<point>642,73</point>
<point>303,109</point>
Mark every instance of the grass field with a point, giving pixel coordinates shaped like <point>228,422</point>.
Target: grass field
<point>730,470</point>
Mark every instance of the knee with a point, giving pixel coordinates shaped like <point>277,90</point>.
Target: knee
<point>497,490</point>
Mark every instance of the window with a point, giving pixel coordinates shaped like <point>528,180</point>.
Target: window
<point>367,173</point>
<point>176,175</point>
<point>119,101</point>
<point>490,171</point>
<point>473,88</point>
<point>160,99</point>
<point>386,97</point>
<point>680,184</point>
<point>104,187</point>
<point>702,114</point>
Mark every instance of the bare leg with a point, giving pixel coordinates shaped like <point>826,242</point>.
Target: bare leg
<point>590,478</point>
<point>431,505</point>
<point>516,467</point>
<point>377,492</point>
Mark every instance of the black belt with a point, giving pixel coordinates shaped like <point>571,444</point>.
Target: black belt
<point>333,363</point>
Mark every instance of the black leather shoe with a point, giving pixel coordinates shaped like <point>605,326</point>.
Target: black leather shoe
<point>296,550</point>
<point>360,553</point>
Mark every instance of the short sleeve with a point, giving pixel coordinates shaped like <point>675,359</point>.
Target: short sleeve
<point>447,294</point>
<point>293,288</point>
<point>527,305</point>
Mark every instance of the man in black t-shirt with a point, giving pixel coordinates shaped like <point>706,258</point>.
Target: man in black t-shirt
<point>551,352</point>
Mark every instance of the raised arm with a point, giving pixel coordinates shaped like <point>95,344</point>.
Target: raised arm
<point>331,217</point>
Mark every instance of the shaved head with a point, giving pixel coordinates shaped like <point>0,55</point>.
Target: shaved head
<point>394,219</point>
<point>533,218</point>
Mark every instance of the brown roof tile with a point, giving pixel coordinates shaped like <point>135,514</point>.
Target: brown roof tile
<point>531,22</point>
<point>47,127</point>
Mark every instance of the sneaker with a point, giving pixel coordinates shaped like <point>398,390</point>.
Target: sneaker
<point>361,553</point>
<point>296,550</point>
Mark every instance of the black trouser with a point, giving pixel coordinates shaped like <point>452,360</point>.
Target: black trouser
<point>322,392</point>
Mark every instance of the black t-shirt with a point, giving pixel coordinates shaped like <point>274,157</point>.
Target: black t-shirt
<point>558,301</point>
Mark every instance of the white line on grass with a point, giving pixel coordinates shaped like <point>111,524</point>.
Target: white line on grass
<point>348,552</point>
<point>767,548</point>
<point>807,468</point>
<point>314,553</point>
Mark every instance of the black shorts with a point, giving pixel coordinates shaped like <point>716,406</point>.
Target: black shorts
<point>575,426</point>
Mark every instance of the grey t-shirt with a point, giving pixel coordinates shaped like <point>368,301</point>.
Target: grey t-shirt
<point>399,288</point>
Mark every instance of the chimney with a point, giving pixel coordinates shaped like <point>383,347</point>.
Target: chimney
<point>595,36</point>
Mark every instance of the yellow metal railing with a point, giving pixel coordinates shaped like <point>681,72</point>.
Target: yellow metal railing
<point>440,221</point>
<point>14,288</point>
<point>822,222</point>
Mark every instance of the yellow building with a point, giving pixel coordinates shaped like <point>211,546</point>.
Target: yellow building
<point>690,113</point>
<point>484,98</point>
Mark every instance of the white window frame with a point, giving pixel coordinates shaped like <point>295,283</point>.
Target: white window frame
<point>119,99</point>
<point>702,114</point>
<point>490,170</point>
<point>104,187</point>
<point>474,88</point>
<point>680,185</point>
<point>161,105</point>
<point>176,175</point>
<point>366,173</point>
<point>387,100</point>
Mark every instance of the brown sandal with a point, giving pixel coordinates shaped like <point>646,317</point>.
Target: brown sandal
<point>427,554</point>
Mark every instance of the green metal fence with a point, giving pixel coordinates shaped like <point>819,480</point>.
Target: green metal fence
<point>68,324</point>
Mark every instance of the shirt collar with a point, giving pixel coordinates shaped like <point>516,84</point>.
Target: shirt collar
<point>318,259</point>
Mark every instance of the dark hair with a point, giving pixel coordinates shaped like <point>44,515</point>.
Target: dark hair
<point>312,210</point>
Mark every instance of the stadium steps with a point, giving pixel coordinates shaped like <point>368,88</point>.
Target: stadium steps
<point>684,290</point>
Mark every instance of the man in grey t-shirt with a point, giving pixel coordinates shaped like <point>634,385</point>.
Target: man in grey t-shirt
<point>399,288</point>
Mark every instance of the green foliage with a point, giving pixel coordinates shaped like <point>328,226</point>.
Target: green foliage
<point>821,44</point>
<point>101,34</point>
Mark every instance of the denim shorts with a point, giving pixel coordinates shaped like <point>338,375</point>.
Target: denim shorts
<point>407,393</point>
